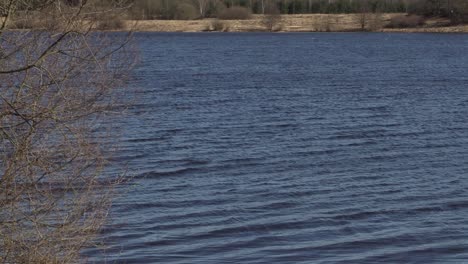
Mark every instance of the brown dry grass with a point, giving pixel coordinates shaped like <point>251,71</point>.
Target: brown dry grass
<point>290,23</point>
<point>293,23</point>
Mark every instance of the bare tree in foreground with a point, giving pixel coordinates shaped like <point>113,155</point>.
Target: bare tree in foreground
<point>56,83</point>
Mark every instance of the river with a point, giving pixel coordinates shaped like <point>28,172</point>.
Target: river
<point>294,148</point>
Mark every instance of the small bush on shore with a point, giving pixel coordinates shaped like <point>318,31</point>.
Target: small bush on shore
<point>35,21</point>
<point>272,19</point>
<point>24,24</point>
<point>405,21</point>
<point>235,13</point>
<point>455,10</point>
<point>110,24</point>
<point>217,25</point>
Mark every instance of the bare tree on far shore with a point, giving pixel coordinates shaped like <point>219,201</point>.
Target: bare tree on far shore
<point>363,15</point>
<point>272,18</point>
<point>376,21</point>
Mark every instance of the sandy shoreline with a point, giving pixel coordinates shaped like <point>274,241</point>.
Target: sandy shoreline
<point>291,23</point>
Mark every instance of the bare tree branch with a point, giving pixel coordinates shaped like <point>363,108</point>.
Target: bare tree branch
<point>56,79</point>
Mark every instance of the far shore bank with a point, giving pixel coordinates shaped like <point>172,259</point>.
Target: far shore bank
<point>294,23</point>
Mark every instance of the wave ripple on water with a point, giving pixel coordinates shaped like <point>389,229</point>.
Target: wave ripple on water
<point>295,148</point>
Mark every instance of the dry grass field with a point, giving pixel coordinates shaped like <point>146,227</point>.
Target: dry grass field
<point>257,23</point>
<point>293,23</point>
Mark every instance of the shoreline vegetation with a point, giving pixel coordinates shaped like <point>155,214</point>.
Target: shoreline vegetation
<point>441,16</point>
<point>298,15</point>
<point>369,22</point>
<point>294,23</point>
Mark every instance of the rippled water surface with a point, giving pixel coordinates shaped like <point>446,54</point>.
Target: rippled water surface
<point>295,148</point>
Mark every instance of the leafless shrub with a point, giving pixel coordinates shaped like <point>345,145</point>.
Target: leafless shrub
<point>272,19</point>
<point>322,23</point>
<point>363,15</point>
<point>455,10</point>
<point>458,12</point>
<point>376,21</point>
<point>217,25</point>
<point>235,13</point>
<point>55,85</point>
<point>25,24</point>
<point>405,21</point>
<point>110,24</point>
<point>34,20</point>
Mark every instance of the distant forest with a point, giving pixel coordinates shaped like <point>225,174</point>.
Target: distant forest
<point>190,9</point>
<point>209,8</point>
<point>457,10</point>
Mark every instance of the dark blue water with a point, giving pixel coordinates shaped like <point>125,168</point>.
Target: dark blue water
<point>295,148</point>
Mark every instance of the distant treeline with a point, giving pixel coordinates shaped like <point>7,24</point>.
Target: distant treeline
<point>456,10</point>
<point>188,9</point>
<point>171,9</point>
<point>210,8</point>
